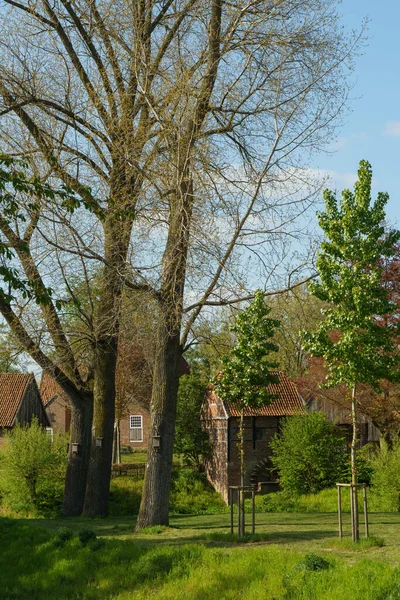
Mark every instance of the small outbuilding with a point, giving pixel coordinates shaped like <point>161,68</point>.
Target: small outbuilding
<point>19,401</point>
<point>221,420</point>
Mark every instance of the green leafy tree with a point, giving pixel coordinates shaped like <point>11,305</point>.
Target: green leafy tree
<point>308,454</point>
<point>356,346</point>
<point>33,468</point>
<point>246,370</point>
<point>190,439</point>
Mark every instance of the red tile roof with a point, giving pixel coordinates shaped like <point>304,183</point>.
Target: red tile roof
<point>12,389</point>
<point>49,388</point>
<point>287,403</point>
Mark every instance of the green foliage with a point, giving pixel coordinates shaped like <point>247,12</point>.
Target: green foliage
<point>352,340</point>
<point>386,479</point>
<point>246,370</point>
<point>308,454</point>
<point>190,439</point>
<point>32,469</point>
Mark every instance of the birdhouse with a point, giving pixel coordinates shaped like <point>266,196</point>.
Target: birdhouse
<point>156,441</point>
<point>75,448</point>
<point>99,442</point>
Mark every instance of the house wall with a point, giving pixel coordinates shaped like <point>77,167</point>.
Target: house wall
<point>135,409</point>
<point>257,452</point>
<point>215,421</point>
<point>59,414</point>
<point>31,406</point>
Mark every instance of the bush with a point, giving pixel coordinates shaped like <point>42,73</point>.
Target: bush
<point>386,479</point>
<point>32,470</point>
<point>321,502</point>
<point>309,454</point>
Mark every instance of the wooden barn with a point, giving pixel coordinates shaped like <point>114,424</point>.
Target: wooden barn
<point>221,420</point>
<point>19,401</point>
<point>340,414</point>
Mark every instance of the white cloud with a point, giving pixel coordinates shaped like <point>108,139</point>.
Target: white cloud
<point>334,179</point>
<point>392,128</point>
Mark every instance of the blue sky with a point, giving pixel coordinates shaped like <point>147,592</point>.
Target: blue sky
<point>372,130</point>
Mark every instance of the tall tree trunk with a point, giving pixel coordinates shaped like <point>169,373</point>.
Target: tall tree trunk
<point>116,241</point>
<point>78,461</point>
<point>354,481</point>
<point>99,474</point>
<point>154,505</point>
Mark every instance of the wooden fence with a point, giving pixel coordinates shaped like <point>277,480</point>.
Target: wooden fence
<point>135,470</point>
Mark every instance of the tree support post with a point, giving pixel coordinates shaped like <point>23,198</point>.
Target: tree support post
<point>365,511</point>
<point>339,490</point>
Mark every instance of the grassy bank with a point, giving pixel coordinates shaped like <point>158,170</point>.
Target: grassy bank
<point>292,557</point>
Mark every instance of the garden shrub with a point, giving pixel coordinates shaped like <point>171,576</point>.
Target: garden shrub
<point>386,479</point>
<point>309,454</point>
<point>32,470</point>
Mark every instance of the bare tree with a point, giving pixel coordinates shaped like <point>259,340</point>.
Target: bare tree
<point>184,127</point>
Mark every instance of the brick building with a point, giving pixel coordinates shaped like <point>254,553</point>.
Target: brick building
<point>135,420</point>
<point>56,404</point>
<point>19,401</point>
<point>221,420</point>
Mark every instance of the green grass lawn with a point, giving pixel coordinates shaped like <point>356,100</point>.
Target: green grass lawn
<point>196,559</point>
<point>134,457</point>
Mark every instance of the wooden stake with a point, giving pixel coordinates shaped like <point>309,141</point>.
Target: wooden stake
<point>231,505</point>
<point>365,511</point>
<point>239,513</point>
<point>339,490</point>
<point>253,510</point>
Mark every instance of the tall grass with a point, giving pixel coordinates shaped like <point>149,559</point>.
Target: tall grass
<point>35,565</point>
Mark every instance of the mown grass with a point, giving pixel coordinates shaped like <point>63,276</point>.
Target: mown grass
<point>290,557</point>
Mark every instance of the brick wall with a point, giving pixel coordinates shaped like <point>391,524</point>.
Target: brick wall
<point>59,415</point>
<point>258,432</point>
<point>125,430</point>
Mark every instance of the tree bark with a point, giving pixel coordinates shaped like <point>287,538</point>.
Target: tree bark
<point>99,473</point>
<point>116,242</point>
<point>78,462</point>
<point>154,505</point>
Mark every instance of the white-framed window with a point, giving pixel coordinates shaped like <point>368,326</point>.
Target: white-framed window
<point>49,431</point>
<point>136,428</point>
